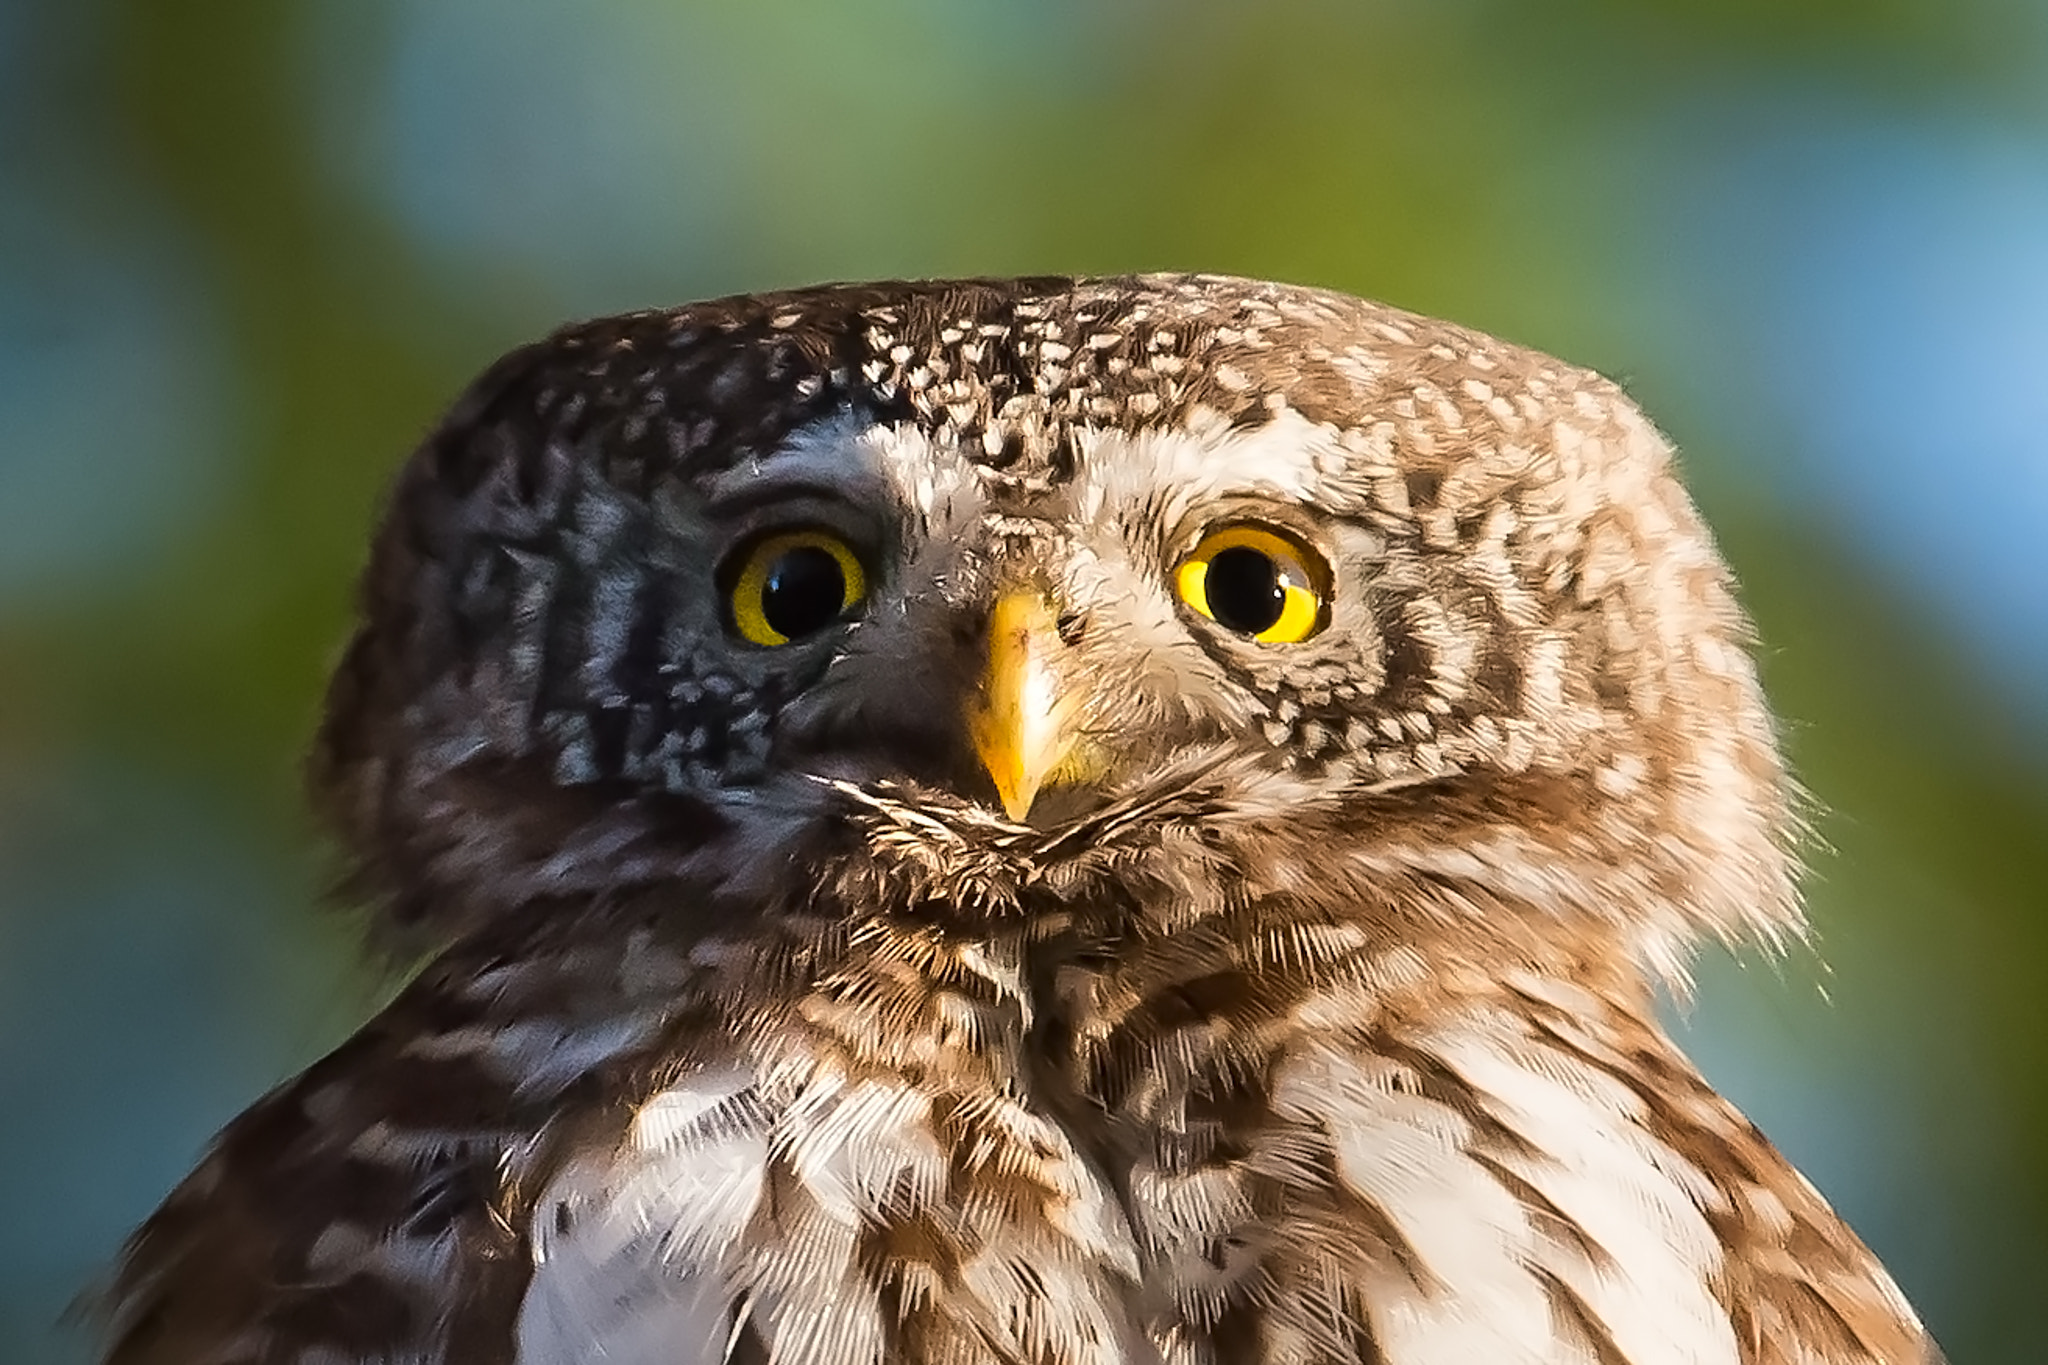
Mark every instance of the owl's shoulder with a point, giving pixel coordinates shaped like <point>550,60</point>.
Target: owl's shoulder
<point>364,1207</point>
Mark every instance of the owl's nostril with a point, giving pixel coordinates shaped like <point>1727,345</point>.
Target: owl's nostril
<point>1070,626</point>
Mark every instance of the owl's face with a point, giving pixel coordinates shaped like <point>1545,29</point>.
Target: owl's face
<point>890,614</point>
<point>1040,566</point>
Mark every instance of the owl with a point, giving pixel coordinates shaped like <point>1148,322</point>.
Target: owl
<point>1050,821</point>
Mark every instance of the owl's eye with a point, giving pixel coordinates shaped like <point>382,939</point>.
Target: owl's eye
<point>794,583</point>
<point>1256,581</point>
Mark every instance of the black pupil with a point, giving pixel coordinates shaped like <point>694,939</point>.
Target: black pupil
<point>1246,593</point>
<point>805,591</point>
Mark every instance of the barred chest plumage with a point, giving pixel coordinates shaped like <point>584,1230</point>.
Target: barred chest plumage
<point>906,1145</point>
<point>1477,1188</point>
<point>1492,1183</point>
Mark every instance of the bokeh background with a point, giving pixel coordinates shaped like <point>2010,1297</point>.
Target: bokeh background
<point>249,247</point>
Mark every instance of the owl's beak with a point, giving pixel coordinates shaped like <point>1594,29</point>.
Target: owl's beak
<point>1022,727</point>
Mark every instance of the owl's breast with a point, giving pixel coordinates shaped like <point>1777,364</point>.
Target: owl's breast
<point>944,1147</point>
<point>795,1212</point>
<point>1483,1197</point>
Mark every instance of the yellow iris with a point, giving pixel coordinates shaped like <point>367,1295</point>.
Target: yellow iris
<point>795,583</point>
<point>1257,582</point>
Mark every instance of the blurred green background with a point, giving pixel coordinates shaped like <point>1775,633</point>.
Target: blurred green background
<point>248,248</point>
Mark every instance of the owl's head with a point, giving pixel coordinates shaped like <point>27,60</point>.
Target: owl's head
<point>1049,571</point>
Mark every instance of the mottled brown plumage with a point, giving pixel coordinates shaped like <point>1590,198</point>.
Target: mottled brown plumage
<point>1240,988</point>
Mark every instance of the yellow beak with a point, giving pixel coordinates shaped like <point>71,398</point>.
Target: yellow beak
<point>1022,728</point>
